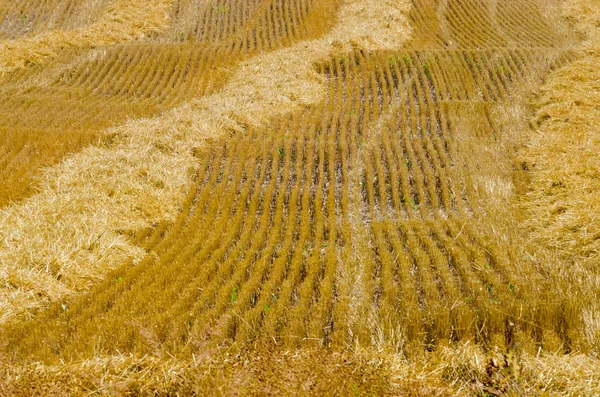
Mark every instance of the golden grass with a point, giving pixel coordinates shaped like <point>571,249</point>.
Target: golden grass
<point>279,82</point>
<point>564,152</point>
<point>124,20</point>
<point>64,238</point>
<point>59,106</point>
<point>463,370</point>
<point>562,205</point>
<point>398,205</point>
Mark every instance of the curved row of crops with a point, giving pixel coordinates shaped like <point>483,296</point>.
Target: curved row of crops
<point>59,106</point>
<point>251,26</point>
<point>480,24</point>
<point>19,18</point>
<point>357,220</point>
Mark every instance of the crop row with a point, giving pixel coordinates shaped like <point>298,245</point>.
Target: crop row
<point>279,216</point>
<point>249,26</point>
<point>82,91</point>
<point>354,220</point>
<point>481,24</point>
<point>26,17</point>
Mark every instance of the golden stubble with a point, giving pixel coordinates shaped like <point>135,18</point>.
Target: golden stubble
<point>562,205</point>
<point>65,238</point>
<point>124,20</point>
<point>462,370</point>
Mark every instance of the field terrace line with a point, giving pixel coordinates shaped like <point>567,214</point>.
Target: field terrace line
<point>65,238</point>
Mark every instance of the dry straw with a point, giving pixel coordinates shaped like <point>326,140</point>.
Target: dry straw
<point>65,238</point>
<point>123,20</point>
<point>563,204</point>
<point>464,370</point>
<point>564,201</point>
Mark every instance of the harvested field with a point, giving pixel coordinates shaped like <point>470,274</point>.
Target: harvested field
<point>60,104</point>
<point>251,179</point>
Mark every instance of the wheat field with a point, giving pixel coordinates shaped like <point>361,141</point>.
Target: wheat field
<point>299,197</point>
